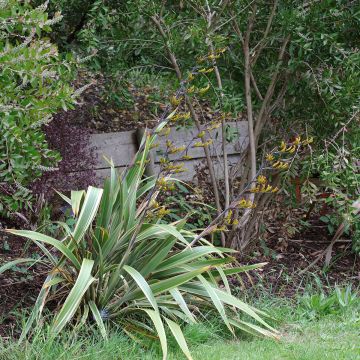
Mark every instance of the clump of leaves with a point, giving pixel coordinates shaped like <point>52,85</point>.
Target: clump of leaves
<point>320,304</point>
<point>34,85</point>
<point>119,264</point>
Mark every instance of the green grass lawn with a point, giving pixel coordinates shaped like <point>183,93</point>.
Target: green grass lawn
<point>330,337</point>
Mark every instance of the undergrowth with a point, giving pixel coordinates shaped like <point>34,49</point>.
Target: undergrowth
<point>330,335</point>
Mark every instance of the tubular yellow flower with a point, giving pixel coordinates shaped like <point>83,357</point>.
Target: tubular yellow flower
<point>275,189</point>
<point>163,211</point>
<point>191,89</point>
<point>165,131</point>
<point>198,144</point>
<point>187,157</point>
<point>270,157</point>
<point>246,204</point>
<point>308,141</point>
<point>282,146</point>
<point>261,179</point>
<point>228,217</point>
<point>174,150</point>
<point>175,101</point>
<point>266,188</point>
<point>191,77</point>
<point>213,125</point>
<point>154,146</point>
<point>297,140</point>
<point>221,51</point>
<point>206,71</point>
<point>291,149</point>
<point>202,91</point>
<point>154,204</point>
<point>201,134</point>
<point>213,57</point>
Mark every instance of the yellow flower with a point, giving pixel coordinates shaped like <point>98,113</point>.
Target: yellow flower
<point>165,131</point>
<point>191,77</point>
<point>246,204</point>
<point>282,146</point>
<point>275,189</point>
<point>206,71</point>
<point>213,126</point>
<point>202,144</point>
<point>201,134</point>
<point>154,204</point>
<point>228,217</point>
<point>291,149</point>
<point>308,141</point>
<point>202,91</point>
<point>255,189</point>
<point>261,179</point>
<point>174,150</point>
<point>187,157</point>
<point>267,188</point>
<point>154,146</point>
<point>269,157</point>
<point>213,57</point>
<point>191,89</point>
<point>163,211</point>
<point>175,101</point>
<point>297,140</point>
<point>221,51</point>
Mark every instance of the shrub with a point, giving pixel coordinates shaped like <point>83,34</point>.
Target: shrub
<point>34,85</point>
<point>120,263</point>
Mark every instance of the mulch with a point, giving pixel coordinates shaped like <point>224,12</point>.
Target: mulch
<point>19,286</point>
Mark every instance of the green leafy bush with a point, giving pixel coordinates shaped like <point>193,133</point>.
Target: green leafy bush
<point>121,263</point>
<point>34,82</point>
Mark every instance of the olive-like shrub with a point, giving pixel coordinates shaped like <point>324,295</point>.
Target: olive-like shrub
<point>34,84</point>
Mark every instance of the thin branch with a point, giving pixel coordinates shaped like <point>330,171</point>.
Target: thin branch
<point>261,119</point>
<point>261,44</point>
<point>158,22</point>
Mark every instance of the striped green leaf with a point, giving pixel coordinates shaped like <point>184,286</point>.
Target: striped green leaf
<point>73,300</point>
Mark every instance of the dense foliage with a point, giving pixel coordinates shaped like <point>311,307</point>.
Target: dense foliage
<point>318,88</point>
<point>120,263</point>
<point>35,83</point>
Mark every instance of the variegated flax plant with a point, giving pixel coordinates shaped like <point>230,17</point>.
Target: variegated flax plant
<point>119,264</point>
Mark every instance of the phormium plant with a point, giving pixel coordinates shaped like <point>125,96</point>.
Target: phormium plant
<point>120,263</point>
